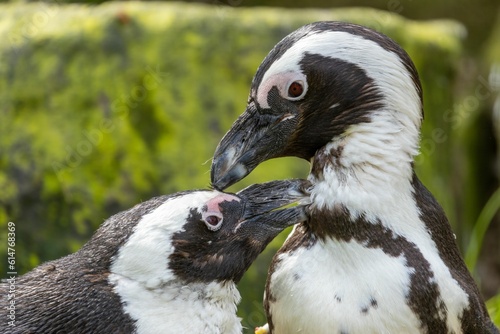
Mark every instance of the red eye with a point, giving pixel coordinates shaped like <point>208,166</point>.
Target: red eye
<point>212,220</point>
<point>295,89</point>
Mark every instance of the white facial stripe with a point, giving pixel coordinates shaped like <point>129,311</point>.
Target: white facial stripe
<point>384,67</point>
<point>144,257</point>
<point>150,293</point>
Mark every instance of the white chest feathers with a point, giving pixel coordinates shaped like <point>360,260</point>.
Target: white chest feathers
<point>345,287</point>
<point>177,308</point>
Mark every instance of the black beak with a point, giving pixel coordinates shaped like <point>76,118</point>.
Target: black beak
<point>265,202</point>
<point>264,212</point>
<point>265,197</point>
<point>254,137</point>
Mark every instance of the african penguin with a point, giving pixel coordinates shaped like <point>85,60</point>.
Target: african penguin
<point>377,254</point>
<point>168,265</point>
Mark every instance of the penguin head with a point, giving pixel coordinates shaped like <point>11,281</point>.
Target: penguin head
<point>324,82</point>
<point>207,235</point>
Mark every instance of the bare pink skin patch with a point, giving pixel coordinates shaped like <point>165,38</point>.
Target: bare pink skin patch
<point>282,81</point>
<point>213,216</point>
<point>213,204</point>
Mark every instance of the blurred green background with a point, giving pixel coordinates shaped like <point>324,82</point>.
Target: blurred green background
<point>104,106</point>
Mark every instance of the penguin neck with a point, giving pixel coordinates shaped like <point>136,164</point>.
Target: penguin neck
<point>176,305</point>
<point>369,166</point>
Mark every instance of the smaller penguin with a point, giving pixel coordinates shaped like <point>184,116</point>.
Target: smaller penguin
<point>168,265</point>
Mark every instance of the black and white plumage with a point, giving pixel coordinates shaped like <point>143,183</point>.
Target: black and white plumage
<point>168,265</point>
<point>377,254</point>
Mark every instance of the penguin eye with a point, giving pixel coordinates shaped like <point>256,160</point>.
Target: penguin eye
<point>295,89</point>
<point>213,221</point>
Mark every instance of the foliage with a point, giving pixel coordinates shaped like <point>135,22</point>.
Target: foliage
<point>491,208</point>
<point>493,306</point>
<point>103,107</point>
<point>492,59</point>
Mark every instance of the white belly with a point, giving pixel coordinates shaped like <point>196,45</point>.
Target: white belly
<point>341,287</point>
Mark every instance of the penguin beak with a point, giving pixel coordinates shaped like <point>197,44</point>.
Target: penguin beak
<point>269,204</point>
<point>253,139</point>
<point>264,210</point>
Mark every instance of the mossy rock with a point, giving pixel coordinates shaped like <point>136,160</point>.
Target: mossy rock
<point>103,107</point>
